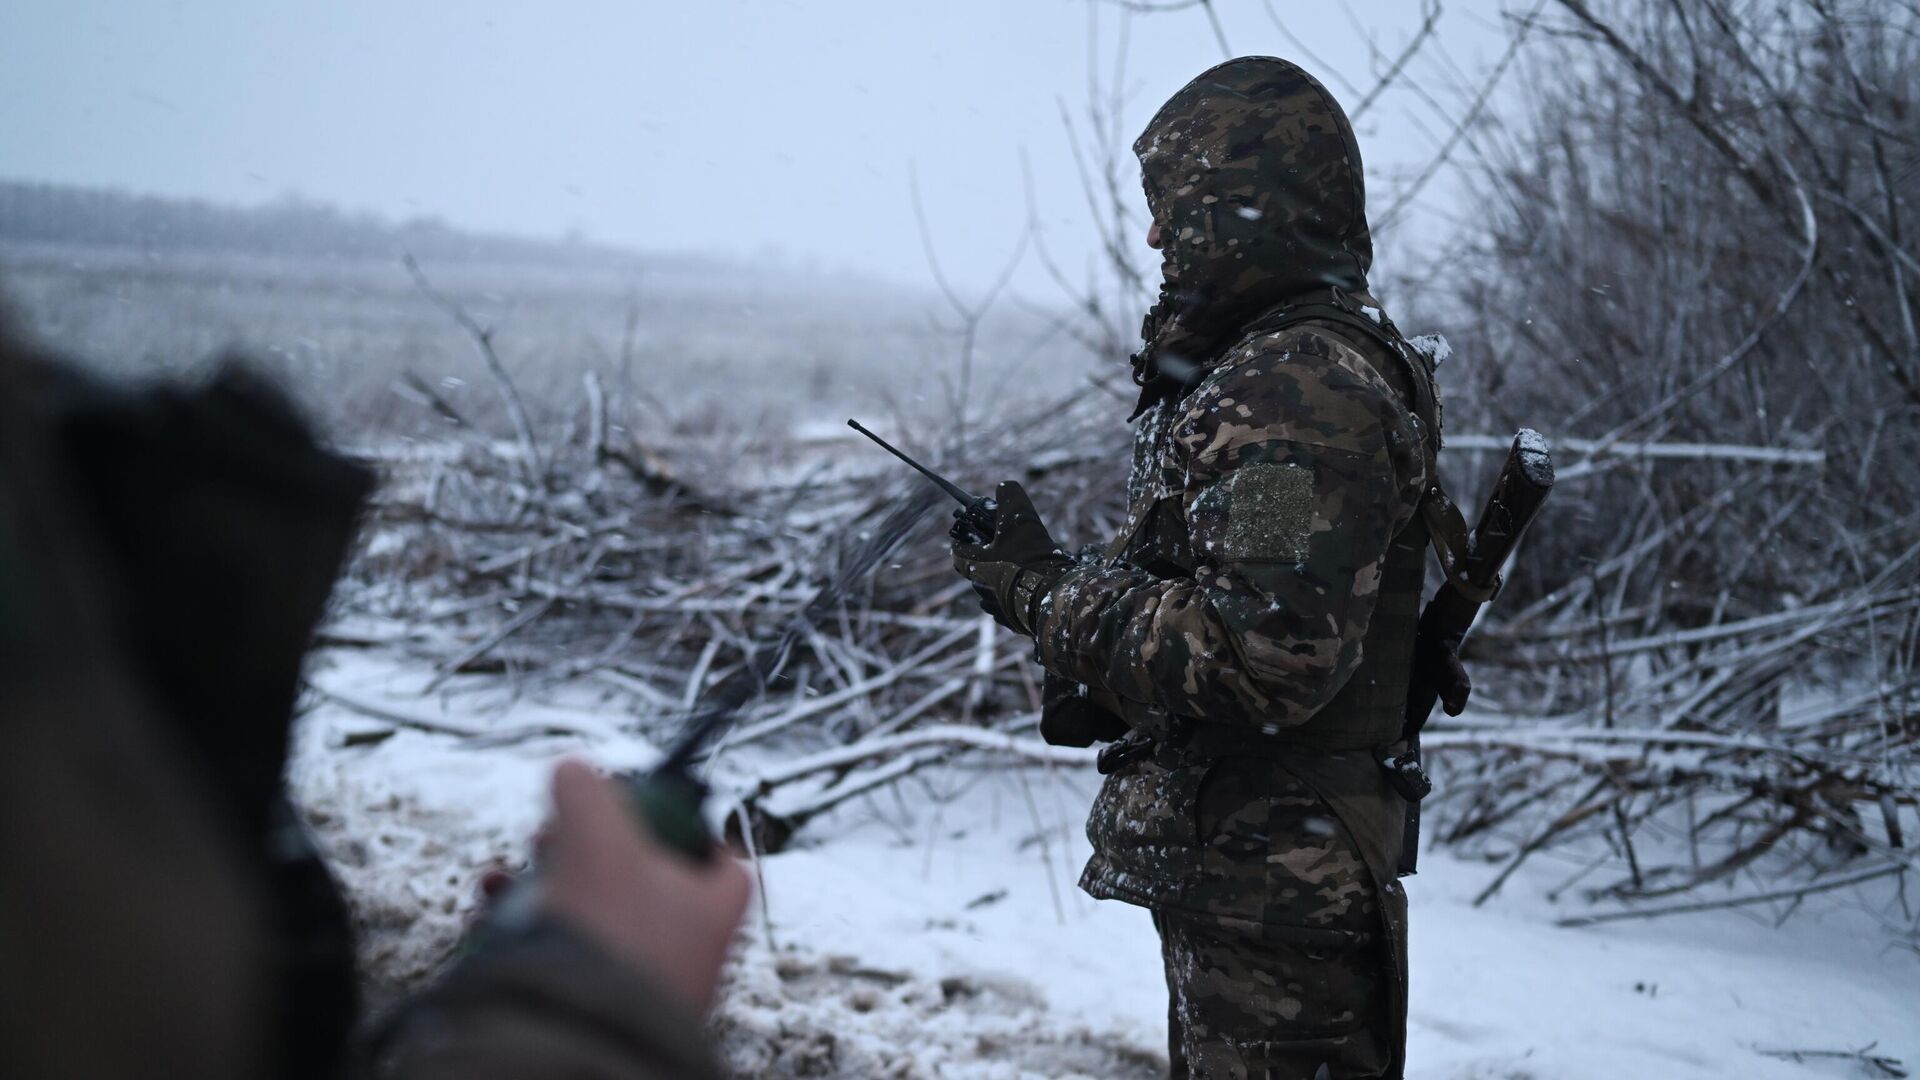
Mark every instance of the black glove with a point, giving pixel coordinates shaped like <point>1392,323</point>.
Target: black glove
<point>1068,717</point>
<point>1442,667</point>
<point>1018,563</point>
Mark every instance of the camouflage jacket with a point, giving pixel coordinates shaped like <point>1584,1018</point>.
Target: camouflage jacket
<point>1272,470</point>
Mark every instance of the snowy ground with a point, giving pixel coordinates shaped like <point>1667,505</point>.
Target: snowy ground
<point>936,932</point>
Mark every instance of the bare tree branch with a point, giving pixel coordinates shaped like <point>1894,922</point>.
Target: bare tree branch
<point>482,338</point>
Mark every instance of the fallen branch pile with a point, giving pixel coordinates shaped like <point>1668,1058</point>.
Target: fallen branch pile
<point>662,582</point>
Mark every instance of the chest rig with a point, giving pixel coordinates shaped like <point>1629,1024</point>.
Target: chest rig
<point>1369,711</point>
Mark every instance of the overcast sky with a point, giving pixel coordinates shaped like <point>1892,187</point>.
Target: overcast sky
<point>746,127</point>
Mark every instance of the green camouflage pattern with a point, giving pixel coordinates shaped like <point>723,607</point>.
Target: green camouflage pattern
<point>1272,1007</point>
<point>1205,832</point>
<point>1273,471</point>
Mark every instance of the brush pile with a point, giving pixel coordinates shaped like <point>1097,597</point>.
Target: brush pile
<point>668,579</point>
<point>664,578</point>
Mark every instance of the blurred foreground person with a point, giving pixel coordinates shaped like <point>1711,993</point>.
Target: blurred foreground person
<point>1248,637</point>
<point>164,556</point>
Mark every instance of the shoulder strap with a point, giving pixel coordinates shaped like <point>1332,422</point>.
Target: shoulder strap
<point>1335,306</point>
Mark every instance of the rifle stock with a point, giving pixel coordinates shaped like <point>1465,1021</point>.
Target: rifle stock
<point>1517,497</point>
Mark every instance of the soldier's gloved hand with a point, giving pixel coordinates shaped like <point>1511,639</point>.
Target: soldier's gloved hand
<point>1068,717</point>
<point>1448,675</point>
<point>1020,562</point>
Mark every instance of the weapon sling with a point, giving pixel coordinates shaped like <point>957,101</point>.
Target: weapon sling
<point>1472,561</point>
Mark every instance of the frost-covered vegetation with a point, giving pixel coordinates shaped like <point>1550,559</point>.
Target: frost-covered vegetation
<point>1699,233</point>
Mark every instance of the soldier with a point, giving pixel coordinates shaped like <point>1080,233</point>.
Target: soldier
<point>1248,635</point>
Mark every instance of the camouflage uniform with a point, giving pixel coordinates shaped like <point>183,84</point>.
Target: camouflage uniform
<point>1252,624</point>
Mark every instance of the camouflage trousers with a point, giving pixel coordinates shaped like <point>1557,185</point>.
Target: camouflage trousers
<point>1247,1003</point>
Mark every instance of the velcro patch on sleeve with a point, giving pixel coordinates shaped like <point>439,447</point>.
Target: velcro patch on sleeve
<point>1270,513</point>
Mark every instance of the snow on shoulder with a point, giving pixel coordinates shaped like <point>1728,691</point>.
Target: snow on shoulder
<point>1435,347</point>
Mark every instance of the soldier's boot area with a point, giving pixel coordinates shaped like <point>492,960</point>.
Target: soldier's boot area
<point>1242,1007</point>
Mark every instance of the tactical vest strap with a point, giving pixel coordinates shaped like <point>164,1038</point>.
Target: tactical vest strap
<point>1447,531</point>
<point>1335,306</point>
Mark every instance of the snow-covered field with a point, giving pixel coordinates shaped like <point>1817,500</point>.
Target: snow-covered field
<point>936,931</point>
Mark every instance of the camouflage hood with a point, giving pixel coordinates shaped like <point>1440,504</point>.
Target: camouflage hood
<point>1253,174</point>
